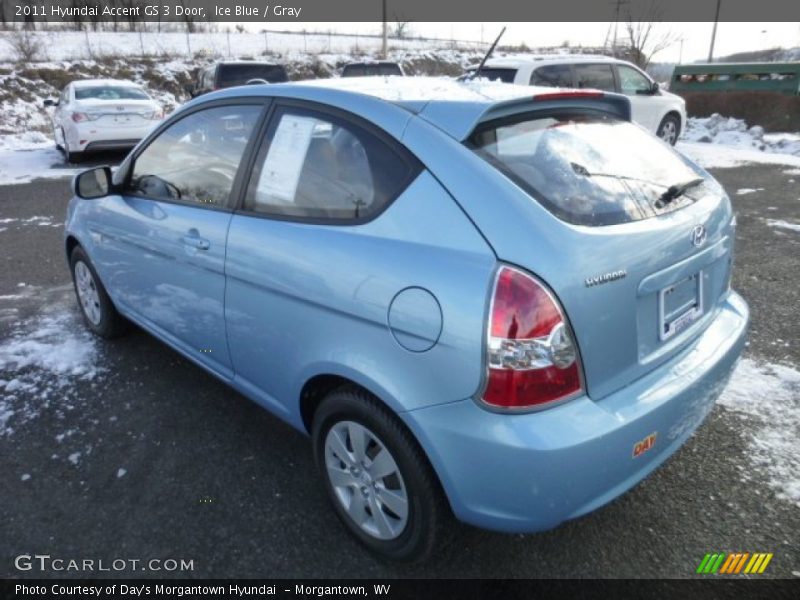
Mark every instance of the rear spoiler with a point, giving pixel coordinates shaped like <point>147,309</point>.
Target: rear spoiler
<point>460,118</point>
<point>616,104</point>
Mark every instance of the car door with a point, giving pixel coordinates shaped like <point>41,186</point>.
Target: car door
<point>646,107</point>
<point>552,76</point>
<point>160,245</point>
<point>597,76</point>
<point>299,265</point>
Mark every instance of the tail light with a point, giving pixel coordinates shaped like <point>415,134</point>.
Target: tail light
<point>532,359</point>
<point>79,117</point>
<point>154,115</point>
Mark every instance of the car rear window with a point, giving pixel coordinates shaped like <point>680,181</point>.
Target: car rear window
<point>231,75</point>
<point>505,75</point>
<point>586,167</point>
<point>110,92</point>
<point>362,70</point>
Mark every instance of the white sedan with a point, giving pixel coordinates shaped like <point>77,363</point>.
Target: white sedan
<point>102,114</point>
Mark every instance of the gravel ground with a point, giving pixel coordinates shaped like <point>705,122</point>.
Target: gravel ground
<point>153,458</point>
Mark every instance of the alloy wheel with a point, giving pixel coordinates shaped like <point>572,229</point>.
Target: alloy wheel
<point>366,480</point>
<point>87,293</point>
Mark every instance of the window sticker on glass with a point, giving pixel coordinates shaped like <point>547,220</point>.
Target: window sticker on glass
<point>287,153</point>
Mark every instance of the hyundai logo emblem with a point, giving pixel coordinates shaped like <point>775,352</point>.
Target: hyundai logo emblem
<point>699,235</point>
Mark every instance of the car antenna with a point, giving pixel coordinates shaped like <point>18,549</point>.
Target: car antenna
<point>488,54</point>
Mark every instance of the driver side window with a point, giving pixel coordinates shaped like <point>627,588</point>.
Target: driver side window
<point>195,159</point>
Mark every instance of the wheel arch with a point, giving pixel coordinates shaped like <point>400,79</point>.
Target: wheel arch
<point>70,243</point>
<point>318,386</point>
<point>673,113</point>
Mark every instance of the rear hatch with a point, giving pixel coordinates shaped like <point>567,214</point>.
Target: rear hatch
<point>635,240</point>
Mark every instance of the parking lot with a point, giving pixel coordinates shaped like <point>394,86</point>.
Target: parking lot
<point>126,450</point>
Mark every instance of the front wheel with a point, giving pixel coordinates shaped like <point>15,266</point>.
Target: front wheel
<point>669,129</point>
<point>379,481</point>
<point>98,311</point>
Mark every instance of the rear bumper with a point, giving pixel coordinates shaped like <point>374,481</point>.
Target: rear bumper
<point>94,137</point>
<point>530,472</point>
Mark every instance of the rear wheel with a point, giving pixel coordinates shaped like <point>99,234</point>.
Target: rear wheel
<point>669,129</point>
<point>97,309</point>
<point>71,156</point>
<point>379,481</point>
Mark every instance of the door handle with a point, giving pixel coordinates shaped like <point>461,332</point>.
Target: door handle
<point>195,241</point>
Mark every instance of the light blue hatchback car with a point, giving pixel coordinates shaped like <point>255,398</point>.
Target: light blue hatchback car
<point>507,304</point>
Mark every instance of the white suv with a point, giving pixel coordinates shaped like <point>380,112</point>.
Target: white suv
<point>656,110</point>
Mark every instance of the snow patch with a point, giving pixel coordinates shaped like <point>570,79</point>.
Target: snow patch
<point>28,156</point>
<point>780,224</point>
<point>767,397</point>
<point>729,131</point>
<point>723,142</point>
<point>41,362</point>
<point>121,473</point>
<point>745,191</point>
<point>718,156</point>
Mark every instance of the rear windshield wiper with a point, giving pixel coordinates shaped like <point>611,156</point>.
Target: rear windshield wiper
<point>677,190</point>
<point>671,193</point>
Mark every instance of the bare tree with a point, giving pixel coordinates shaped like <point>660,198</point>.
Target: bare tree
<point>25,45</point>
<point>401,29</point>
<point>645,34</point>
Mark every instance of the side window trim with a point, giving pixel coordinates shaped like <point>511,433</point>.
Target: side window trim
<point>241,178</point>
<point>259,153</point>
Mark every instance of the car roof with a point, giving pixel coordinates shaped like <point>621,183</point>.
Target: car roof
<point>455,107</point>
<point>525,59</point>
<point>79,83</point>
<point>258,63</point>
<point>372,62</point>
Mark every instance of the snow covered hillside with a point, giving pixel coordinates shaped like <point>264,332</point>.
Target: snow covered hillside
<point>23,87</point>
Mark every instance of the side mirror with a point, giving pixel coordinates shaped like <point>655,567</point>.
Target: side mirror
<point>654,88</point>
<point>92,184</point>
<point>50,102</point>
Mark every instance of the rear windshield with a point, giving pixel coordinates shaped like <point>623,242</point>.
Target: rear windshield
<point>231,75</point>
<point>371,70</point>
<point>110,92</point>
<point>497,74</point>
<point>589,168</point>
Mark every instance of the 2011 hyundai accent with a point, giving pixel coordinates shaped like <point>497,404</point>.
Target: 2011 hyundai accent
<point>505,303</point>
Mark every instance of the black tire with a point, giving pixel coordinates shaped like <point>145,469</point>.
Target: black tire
<point>110,324</point>
<point>669,129</point>
<point>72,157</point>
<point>428,512</point>
<point>59,146</point>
